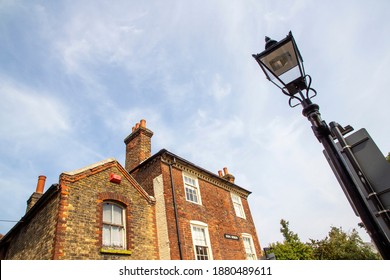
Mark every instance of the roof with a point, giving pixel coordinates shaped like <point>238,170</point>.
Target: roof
<point>102,165</point>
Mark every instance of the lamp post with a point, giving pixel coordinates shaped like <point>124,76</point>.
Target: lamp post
<point>283,65</point>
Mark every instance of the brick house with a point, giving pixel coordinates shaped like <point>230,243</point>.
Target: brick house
<point>158,206</point>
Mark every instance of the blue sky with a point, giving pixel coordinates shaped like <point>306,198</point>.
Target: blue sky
<point>75,76</point>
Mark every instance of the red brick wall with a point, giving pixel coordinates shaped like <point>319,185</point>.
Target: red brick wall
<point>216,211</point>
<point>145,175</point>
<point>138,147</point>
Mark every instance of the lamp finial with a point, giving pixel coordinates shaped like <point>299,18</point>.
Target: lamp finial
<point>269,42</point>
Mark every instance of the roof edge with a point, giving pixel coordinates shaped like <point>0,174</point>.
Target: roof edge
<point>166,152</point>
<point>94,168</point>
<point>91,166</point>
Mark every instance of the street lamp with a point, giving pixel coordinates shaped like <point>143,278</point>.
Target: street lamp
<point>282,64</point>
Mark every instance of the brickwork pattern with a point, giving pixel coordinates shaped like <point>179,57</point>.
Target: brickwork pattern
<point>79,233</point>
<point>35,240</point>
<point>145,175</point>
<point>32,200</point>
<point>218,213</point>
<point>161,219</point>
<point>138,147</point>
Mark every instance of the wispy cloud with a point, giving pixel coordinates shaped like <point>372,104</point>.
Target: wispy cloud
<point>27,113</point>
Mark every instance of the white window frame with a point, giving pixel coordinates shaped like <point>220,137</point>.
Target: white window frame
<point>237,205</point>
<point>204,227</point>
<point>249,246</point>
<point>112,225</point>
<point>193,188</point>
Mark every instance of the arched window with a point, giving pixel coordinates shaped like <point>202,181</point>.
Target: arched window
<point>114,228</point>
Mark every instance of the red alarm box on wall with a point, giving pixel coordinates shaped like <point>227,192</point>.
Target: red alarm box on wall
<point>114,178</point>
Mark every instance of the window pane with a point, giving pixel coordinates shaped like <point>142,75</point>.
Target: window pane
<point>189,181</point>
<point>199,236</point>
<point>106,235</point>
<point>201,253</point>
<point>238,209</point>
<point>116,236</point>
<point>247,243</point>
<point>117,215</point>
<point>238,206</point>
<point>250,252</point>
<point>191,194</point>
<point>107,212</point>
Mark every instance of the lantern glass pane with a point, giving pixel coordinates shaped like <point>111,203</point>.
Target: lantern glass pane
<point>290,75</point>
<point>281,60</point>
<point>273,79</point>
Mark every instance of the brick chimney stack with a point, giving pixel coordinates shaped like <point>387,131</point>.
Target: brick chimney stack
<point>38,192</point>
<point>226,175</point>
<point>138,145</point>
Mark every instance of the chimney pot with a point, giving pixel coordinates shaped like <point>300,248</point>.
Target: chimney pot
<point>225,171</point>
<point>143,123</point>
<point>220,173</point>
<point>41,184</point>
<point>136,125</point>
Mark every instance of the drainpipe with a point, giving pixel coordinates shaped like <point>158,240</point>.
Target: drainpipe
<point>175,209</point>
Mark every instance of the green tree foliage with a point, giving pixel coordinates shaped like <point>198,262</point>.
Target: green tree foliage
<point>388,157</point>
<point>292,248</point>
<point>338,245</point>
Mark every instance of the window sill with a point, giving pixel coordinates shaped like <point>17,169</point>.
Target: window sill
<point>115,251</point>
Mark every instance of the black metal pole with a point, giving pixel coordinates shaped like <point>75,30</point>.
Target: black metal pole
<point>323,134</point>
